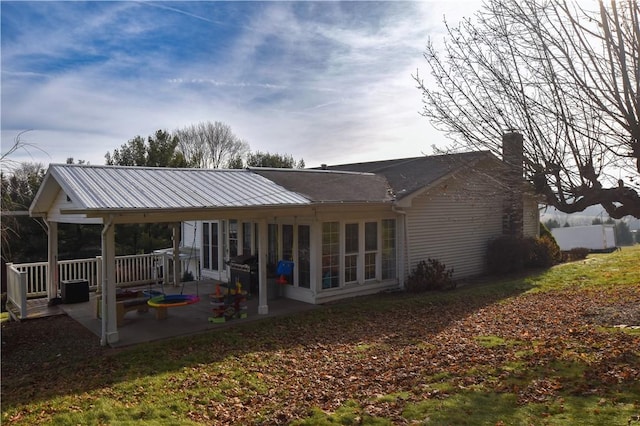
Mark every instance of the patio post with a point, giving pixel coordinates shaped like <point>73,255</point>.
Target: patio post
<point>109,324</point>
<point>402,248</point>
<point>263,307</point>
<point>177,265</point>
<point>52,259</point>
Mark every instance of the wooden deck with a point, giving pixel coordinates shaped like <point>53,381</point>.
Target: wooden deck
<point>39,308</point>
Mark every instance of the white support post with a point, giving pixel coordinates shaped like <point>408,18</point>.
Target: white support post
<point>109,320</point>
<point>177,266</point>
<point>52,259</point>
<point>263,307</point>
<point>402,260</point>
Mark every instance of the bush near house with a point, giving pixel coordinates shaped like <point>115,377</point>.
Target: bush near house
<point>542,252</point>
<point>430,275</point>
<point>577,253</point>
<point>505,254</point>
<point>509,254</point>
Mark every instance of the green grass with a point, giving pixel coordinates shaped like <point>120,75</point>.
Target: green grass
<point>598,271</point>
<point>465,357</point>
<point>490,408</point>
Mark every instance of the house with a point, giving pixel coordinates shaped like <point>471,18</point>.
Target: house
<point>346,230</point>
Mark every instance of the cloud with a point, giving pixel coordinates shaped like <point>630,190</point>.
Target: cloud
<point>326,81</point>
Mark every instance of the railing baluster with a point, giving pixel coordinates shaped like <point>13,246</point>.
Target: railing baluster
<point>130,270</point>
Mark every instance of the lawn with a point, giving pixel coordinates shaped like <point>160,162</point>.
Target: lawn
<point>541,349</point>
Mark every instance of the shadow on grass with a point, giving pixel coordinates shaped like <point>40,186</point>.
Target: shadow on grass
<point>67,360</point>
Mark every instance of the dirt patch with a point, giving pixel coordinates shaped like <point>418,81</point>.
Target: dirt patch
<point>627,314</point>
<point>45,342</point>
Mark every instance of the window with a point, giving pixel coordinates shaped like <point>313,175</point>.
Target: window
<point>246,238</point>
<point>330,254</point>
<point>370,250</point>
<point>206,246</point>
<point>272,249</point>
<point>388,249</point>
<point>215,247</point>
<point>210,246</point>
<point>287,242</point>
<point>358,252</point>
<point>303,265</point>
<point>351,246</point>
<point>233,238</point>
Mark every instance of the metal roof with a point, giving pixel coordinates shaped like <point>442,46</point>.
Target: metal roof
<point>119,187</point>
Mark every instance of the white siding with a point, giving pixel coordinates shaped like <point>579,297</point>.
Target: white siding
<point>454,222</point>
<point>63,203</point>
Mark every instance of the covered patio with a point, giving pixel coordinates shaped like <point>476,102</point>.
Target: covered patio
<point>299,218</point>
<point>109,196</point>
<point>142,327</point>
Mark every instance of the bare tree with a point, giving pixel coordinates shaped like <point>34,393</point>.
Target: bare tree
<point>19,182</point>
<point>7,163</point>
<point>210,145</point>
<point>564,76</point>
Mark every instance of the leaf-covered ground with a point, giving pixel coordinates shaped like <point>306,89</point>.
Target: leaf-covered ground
<point>473,356</point>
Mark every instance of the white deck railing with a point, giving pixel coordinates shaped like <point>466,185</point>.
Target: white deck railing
<point>139,268</point>
<point>16,297</point>
<point>30,280</point>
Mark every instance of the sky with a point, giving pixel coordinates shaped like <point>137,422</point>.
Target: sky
<point>327,82</point>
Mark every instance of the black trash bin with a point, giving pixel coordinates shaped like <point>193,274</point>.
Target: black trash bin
<point>74,291</point>
<point>244,269</point>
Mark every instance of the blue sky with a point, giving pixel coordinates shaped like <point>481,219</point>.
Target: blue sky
<point>329,82</point>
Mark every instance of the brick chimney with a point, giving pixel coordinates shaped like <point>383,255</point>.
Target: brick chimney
<point>513,207</point>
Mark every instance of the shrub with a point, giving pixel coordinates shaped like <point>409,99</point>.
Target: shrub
<point>508,254</point>
<point>505,254</point>
<point>430,275</point>
<point>543,252</point>
<point>545,232</point>
<point>577,253</point>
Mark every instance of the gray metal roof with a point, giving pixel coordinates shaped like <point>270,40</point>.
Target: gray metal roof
<point>116,187</point>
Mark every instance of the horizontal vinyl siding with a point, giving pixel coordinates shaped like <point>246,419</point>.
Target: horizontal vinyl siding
<point>453,223</point>
<point>60,203</point>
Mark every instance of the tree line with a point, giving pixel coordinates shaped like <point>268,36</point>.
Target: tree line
<point>204,145</point>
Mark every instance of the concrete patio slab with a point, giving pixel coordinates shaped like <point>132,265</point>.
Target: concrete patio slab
<point>141,327</point>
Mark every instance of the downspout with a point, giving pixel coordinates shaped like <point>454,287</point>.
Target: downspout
<point>104,315</point>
